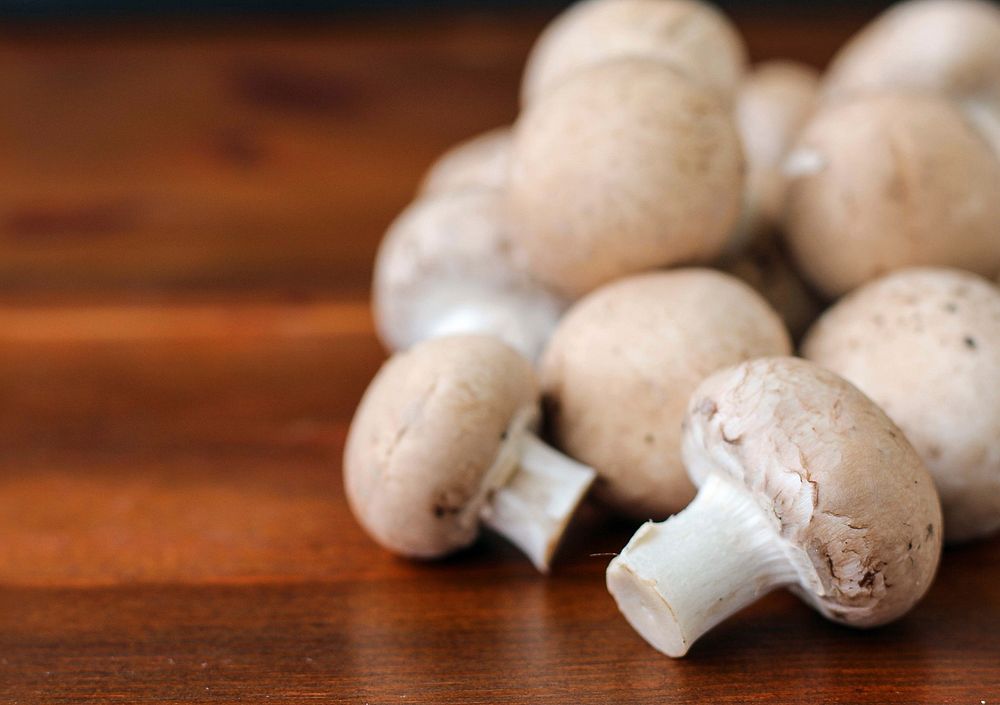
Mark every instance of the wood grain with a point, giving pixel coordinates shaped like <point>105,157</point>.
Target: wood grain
<point>187,219</point>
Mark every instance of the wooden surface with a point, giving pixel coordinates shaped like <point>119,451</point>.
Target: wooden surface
<point>187,220</point>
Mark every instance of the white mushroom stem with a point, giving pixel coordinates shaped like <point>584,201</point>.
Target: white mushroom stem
<point>677,579</point>
<point>534,506</point>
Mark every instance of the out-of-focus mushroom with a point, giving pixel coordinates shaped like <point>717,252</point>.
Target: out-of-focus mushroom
<point>480,162</point>
<point>889,181</point>
<point>622,363</point>
<point>693,37</point>
<point>447,266</point>
<point>442,442</point>
<point>925,345</point>
<point>774,101</point>
<point>623,167</point>
<point>804,483</point>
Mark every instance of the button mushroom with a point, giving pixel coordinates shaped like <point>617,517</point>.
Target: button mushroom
<point>619,368</point>
<point>447,266</point>
<point>623,167</point>
<point>479,162</point>
<point>889,181</point>
<point>925,345</point>
<point>693,37</point>
<point>774,101</point>
<point>442,442</point>
<point>804,483</point>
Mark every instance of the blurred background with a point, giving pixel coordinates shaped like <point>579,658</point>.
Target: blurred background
<point>191,195</point>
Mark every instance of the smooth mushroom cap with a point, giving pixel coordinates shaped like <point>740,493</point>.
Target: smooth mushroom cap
<point>925,345</point>
<point>619,369</point>
<point>774,101</point>
<point>890,181</point>
<point>624,167</point>
<point>952,46</point>
<point>480,162</point>
<point>845,491</point>
<point>447,265</point>
<point>693,37</point>
<point>427,430</point>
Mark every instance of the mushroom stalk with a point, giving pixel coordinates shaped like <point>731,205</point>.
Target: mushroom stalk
<point>677,579</point>
<point>536,503</point>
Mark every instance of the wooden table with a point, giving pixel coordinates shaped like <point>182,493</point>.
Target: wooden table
<point>187,221</point>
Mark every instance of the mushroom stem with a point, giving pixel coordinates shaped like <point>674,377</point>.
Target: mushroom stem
<point>534,506</point>
<point>677,579</point>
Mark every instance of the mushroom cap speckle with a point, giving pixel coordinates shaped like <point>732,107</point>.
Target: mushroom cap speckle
<point>952,46</point>
<point>479,162</point>
<point>693,37</point>
<point>774,101</point>
<point>427,431</point>
<point>925,345</point>
<point>889,181</point>
<point>451,255</point>
<point>619,369</point>
<point>850,497</point>
<point>624,167</point>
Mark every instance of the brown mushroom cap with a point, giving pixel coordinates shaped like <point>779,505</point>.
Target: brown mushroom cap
<point>889,181</point>
<point>447,265</point>
<point>693,37</point>
<point>774,101</point>
<point>479,162</point>
<point>845,491</point>
<point>425,436</point>
<point>620,367</point>
<point>925,345</point>
<point>624,167</point>
<point>951,46</point>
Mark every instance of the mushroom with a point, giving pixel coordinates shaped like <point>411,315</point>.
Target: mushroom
<point>767,268</point>
<point>925,345</point>
<point>889,181</point>
<point>447,265</point>
<point>619,368</point>
<point>804,483</point>
<point>774,101</point>
<point>443,441</point>
<point>623,167</point>
<point>479,162</point>
<point>693,37</point>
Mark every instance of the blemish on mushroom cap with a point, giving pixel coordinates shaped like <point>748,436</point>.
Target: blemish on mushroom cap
<point>425,434</point>
<point>929,365</point>
<point>845,489</point>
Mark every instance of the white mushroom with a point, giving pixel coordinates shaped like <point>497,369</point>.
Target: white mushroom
<point>447,265</point>
<point>925,345</point>
<point>480,162</point>
<point>774,101</point>
<point>693,37</point>
<point>443,441</point>
<point>804,483</point>
<point>888,181</point>
<point>623,167</point>
<point>620,367</point>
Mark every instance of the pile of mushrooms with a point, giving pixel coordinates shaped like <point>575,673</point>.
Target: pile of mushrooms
<point>603,298</point>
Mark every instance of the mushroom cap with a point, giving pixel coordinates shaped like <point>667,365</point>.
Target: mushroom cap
<point>937,45</point>
<point>925,345</point>
<point>424,437</point>
<point>447,265</point>
<point>774,101</point>
<point>693,37</point>
<point>479,162</point>
<point>618,371</point>
<point>847,493</point>
<point>889,181</point>
<point>624,167</point>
